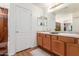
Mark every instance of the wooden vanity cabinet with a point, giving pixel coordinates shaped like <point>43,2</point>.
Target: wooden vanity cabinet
<point>46,42</point>
<point>58,47</point>
<point>72,49</point>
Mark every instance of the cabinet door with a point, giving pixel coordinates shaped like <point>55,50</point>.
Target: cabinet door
<point>5,29</point>
<point>40,39</point>
<point>66,39</point>
<point>46,42</point>
<point>1,28</point>
<point>77,41</point>
<point>58,47</point>
<point>72,49</point>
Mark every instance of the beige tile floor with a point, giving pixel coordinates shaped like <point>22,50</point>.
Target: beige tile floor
<point>32,52</point>
<point>24,53</point>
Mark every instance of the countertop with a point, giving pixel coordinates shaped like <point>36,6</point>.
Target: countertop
<point>62,34</point>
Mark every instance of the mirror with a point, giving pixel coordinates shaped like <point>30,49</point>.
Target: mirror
<point>67,18</point>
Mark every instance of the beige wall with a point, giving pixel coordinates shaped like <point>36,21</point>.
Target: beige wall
<point>76,21</point>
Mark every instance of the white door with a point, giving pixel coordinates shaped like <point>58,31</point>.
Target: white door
<point>23,28</point>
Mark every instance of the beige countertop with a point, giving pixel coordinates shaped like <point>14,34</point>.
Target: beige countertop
<point>62,34</point>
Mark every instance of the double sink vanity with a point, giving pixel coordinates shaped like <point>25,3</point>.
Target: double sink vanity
<point>62,44</point>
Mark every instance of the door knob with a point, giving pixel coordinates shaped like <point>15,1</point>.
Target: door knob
<point>17,31</point>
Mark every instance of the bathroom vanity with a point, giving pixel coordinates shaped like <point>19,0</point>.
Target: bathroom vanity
<point>62,44</point>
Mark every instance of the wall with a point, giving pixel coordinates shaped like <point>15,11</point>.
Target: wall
<point>36,12</point>
<point>11,31</point>
<point>51,22</point>
<point>5,5</point>
<point>75,18</point>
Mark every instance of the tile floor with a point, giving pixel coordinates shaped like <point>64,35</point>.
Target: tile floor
<point>32,52</point>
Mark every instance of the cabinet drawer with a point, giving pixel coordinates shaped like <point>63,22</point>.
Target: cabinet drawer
<point>53,37</point>
<point>40,35</point>
<point>72,50</point>
<point>58,47</point>
<point>46,44</point>
<point>66,39</point>
<point>47,36</point>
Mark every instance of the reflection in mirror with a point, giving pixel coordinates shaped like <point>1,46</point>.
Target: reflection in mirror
<point>67,27</point>
<point>58,26</point>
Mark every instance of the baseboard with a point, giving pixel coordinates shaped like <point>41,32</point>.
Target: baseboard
<point>27,49</point>
<point>11,54</point>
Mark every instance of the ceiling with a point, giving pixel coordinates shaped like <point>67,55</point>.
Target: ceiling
<point>4,5</point>
<point>73,7</point>
<point>67,7</point>
<point>45,5</point>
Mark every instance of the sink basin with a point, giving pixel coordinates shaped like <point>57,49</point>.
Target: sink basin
<point>54,32</point>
